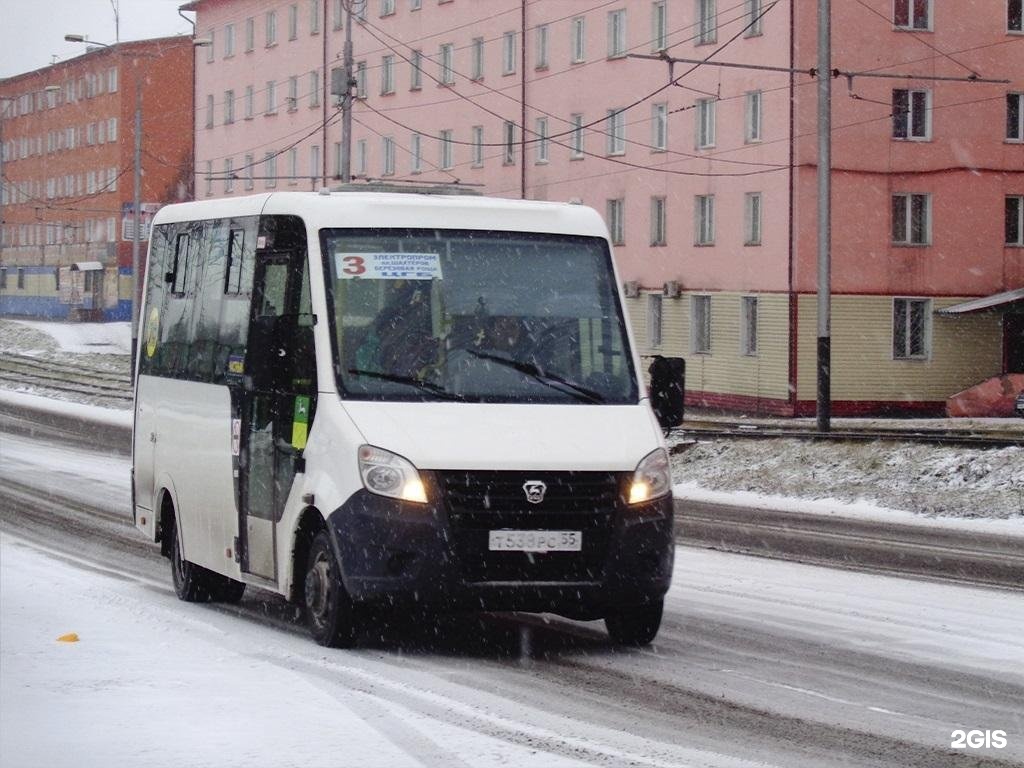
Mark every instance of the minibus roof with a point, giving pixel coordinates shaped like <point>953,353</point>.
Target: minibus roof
<point>389,210</point>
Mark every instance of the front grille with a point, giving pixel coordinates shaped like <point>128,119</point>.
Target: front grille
<point>481,501</point>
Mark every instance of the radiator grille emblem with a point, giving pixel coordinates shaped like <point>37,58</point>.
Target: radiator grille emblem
<point>535,490</point>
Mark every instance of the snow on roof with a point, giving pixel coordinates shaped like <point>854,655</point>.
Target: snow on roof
<point>985,302</point>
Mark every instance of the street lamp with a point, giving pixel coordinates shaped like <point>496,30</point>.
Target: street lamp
<point>136,194</point>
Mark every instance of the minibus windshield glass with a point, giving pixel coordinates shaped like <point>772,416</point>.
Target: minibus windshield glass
<point>476,316</point>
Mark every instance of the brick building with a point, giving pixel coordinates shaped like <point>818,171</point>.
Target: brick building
<point>706,174</point>
<point>67,135</point>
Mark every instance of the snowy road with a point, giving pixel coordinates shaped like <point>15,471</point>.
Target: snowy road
<point>758,663</point>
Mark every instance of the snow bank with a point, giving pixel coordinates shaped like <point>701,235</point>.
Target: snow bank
<point>82,338</point>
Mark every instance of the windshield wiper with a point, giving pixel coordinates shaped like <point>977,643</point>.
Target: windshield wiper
<point>426,386</point>
<point>552,380</point>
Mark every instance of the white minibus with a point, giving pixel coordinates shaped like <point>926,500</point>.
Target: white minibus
<point>373,400</point>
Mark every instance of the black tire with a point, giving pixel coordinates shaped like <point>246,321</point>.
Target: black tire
<point>226,590</point>
<point>192,583</point>
<point>635,626</point>
<point>330,613</point>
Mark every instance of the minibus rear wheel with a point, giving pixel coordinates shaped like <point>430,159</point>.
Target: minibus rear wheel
<point>329,609</point>
<point>635,626</point>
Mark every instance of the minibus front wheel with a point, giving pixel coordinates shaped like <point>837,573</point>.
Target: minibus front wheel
<point>329,609</point>
<point>635,626</point>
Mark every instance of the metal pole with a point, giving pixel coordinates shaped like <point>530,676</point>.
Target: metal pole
<point>346,99</point>
<point>136,219</point>
<point>824,213</point>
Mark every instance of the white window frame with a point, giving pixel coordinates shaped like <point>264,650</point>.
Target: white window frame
<point>387,74</point>
<point>655,320</point>
<point>753,216</point>
<point>1015,124</point>
<point>913,22</point>
<point>447,153</point>
<point>416,70</point>
<point>659,221</point>
<point>387,152</point>
<point>250,34</point>
<point>229,41</point>
<point>270,170</point>
<point>209,119</point>
<point>748,325</point>
<point>248,182</point>
<point>445,58</point>
<point>387,8</point>
<point>314,88</point>
<point>477,59</point>
<point>700,324</point>
<point>579,39</point>
<point>576,142</point>
<point>360,79</point>
<point>293,93</point>
<point>271,98</point>
<point>478,146</point>
<point>541,39</point>
<point>315,167</point>
<point>508,140</point>
<point>903,231</point>
<point>615,209</point>
<point>416,153</point>
<point>902,315</point>
<point>659,127</point>
<point>293,21</point>
<point>541,140</point>
<point>211,51</point>
<point>508,53</point>
<point>250,102</point>
<point>616,132</point>
<point>314,17</point>
<point>617,33</point>
<point>362,157</point>
<point>707,22</point>
<point>753,117</point>
<point>229,172</point>
<point>704,220</point>
<point>229,107</point>
<point>1014,220</point>
<point>270,29</point>
<point>659,26</point>
<point>705,123</point>
<point>754,18</point>
<point>914,123</point>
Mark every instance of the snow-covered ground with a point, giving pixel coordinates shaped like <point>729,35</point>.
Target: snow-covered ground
<point>881,480</point>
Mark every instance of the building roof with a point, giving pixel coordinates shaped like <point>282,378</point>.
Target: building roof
<point>994,301</point>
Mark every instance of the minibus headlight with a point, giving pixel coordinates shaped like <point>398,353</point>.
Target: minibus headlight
<point>388,474</point>
<point>652,478</point>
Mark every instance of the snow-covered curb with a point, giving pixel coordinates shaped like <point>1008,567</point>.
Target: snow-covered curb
<point>94,414</point>
<point>861,510</point>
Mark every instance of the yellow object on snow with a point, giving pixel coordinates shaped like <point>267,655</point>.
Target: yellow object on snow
<point>70,637</point>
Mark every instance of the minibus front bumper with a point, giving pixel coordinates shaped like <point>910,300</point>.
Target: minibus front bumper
<point>397,553</point>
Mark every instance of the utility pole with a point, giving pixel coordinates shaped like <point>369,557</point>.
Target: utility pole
<point>136,218</point>
<point>346,97</point>
<point>824,214</point>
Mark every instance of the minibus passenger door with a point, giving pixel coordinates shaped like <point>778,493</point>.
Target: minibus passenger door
<point>277,404</point>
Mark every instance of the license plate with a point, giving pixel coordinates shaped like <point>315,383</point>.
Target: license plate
<point>536,541</point>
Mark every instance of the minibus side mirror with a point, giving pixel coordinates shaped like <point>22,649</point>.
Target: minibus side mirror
<point>668,387</point>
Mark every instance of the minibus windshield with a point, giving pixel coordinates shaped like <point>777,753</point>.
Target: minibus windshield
<point>479,316</point>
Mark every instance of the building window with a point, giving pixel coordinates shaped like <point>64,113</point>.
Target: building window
<point>445,60</point>
<point>912,14</point>
<point>579,39</point>
<point>250,34</point>
<point>1014,16</point>
<point>659,127</point>
<point>210,55</point>
<point>229,107</point>
<point>616,220</point>
<point>315,168</point>
<point>446,149</point>
<point>416,153</point>
<point>1015,117</point>
<point>387,74</point>
<point>911,219</point>
<point>271,93</point>
<point>209,118</point>
<point>541,141</point>
<point>270,170</point>
<point>271,29</point>
<point>748,325</point>
<point>508,53</point>
<point>658,221</point>
<point>338,17</point>
<point>1015,220</point>
<point>250,161</point>
<point>293,166</point>
<point>250,102</point>
<point>705,123</point>
<point>617,33</point>
<point>415,5</point>
<point>752,125</point>
<point>314,17</point>
<point>659,26</point>
<point>754,14</point>
<point>577,137</point>
<point>704,220</point>
<point>707,22</point>
<point>508,140</point>
<point>229,41</point>
<point>293,21</point>
<point>362,157</point>
<point>752,219</point>
<point>700,324</point>
<point>616,132</point>
<point>360,79</point>
<point>478,146</point>
<point>478,59</point>
<point>21,278</point>
<point>314,88</point>
<point>654,320</point>
<point>293,93</point>
<point>229,175</point>
<point>387,7</point>
<point>911,329</point>
<point>209,181</point>
<point>112,80</point>
<point>388,152</point>
<point>911,114</point>
<point>542,46</point>
<point>416,71</point>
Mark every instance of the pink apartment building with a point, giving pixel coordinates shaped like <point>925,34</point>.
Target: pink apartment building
<point>706,173</point>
